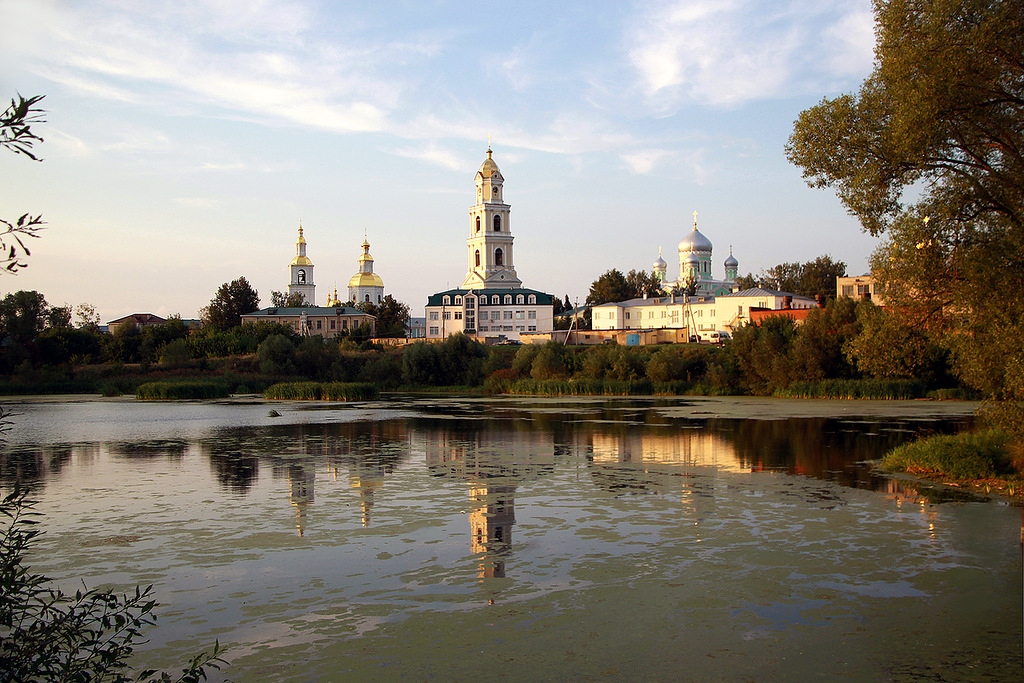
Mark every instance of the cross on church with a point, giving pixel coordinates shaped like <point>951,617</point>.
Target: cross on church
<point>695,219</point>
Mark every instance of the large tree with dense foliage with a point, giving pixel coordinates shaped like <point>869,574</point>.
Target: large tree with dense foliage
<point>391,314</point>
<point>232,300</point>
<point>614,286</point>
<point>285,300</point>
<point>813,278</point>
<point>929,154</point>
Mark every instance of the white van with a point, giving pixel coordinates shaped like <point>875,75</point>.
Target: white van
<point>716,337</point>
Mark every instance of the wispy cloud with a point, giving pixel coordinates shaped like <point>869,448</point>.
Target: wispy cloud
<point>729,52</point>
<point>436,155</point>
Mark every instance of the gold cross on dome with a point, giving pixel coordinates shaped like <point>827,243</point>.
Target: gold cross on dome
<point>695,218</point>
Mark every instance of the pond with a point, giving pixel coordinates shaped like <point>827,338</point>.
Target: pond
<point>511,538</point>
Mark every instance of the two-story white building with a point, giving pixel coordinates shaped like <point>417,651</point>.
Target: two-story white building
<point>699,314</point>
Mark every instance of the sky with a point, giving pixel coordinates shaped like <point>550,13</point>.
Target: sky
<point>185,140</point>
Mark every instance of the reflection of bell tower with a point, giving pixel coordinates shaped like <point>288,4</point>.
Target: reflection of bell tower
<point>300,482</point>
<point>366,483</point>
<point>490,522</point>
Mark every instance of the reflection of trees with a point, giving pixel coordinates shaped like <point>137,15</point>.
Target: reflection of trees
<point>235,472</point>
<point>31,466</point>
<point>171,449</point>
<point>824,448</point>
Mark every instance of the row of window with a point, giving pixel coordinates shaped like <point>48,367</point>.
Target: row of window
<point>503,328</point>
<point>499,257</point>
<point>495,315</point>
<point>495,300</point>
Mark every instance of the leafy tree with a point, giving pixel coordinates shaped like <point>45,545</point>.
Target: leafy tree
<point>747,281</point>
<point>47,635</point>
<point>550,362</point>
<point>232,300</point>
<point>643,283</point>
<point>293,300</point>
<point>58,316</point>
<point>23,315</point>
<point>943,114</point>
<point>276,353</point>
<point>86,316</point>
<point>813,278</point>
<point>612,286</point>
<point>392,316</point>
<point>16,135</point>
<point>888,347</point>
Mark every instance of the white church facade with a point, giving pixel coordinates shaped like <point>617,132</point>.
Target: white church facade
<point>695,252</point>
<point>492,302</point>
<point>363,287</point>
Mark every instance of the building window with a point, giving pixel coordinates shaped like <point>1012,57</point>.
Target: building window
<point>507,315</point>
<point>520,328</point>
<point>470,302</point>
<point>532,315</point>
<point>508,299</point>
<point>627,315</point>
<point>478,254</point>
<point>433,315</point>
<point>447,300</point>
<point>495,299</point>
<point>367,298</point>
<point>520,299</point>
<point>319,324</point>
<point>344,323</point>
<point>302,277</point>
<point>499,256</point>
<point>458,315</point>
<point>478,230</point>
<point>497,224</point>
<point>433,331</point>
<point>494,193</point>
<point>519,315</point>
<point>447,315</point>
<point>533,299</point>
<point>332,324</point>
<point>483,328</point>
<point>532,328</point>
<point>458,300</point>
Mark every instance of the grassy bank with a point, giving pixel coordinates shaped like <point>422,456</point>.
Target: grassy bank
<point>982,460</point>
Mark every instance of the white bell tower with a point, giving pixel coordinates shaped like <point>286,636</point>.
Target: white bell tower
<point>300,272</point>
<point>490,238</point>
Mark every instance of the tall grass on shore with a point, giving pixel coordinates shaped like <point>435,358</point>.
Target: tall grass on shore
<point>321,391</point>
<point>184,390</point>
<point>971,455</point>
<point>887,389</point>
<point>583,387</point>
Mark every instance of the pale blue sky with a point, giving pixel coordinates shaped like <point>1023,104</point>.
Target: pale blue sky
<point>186,139</point>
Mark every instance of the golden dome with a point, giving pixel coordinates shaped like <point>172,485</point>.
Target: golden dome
<point>489,169</point>
<point>301,261</point>
<point>365,280</point>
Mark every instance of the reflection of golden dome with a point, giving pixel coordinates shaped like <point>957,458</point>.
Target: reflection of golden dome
<point>365,280</point>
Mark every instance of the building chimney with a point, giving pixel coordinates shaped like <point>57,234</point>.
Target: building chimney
<point>787,302</point>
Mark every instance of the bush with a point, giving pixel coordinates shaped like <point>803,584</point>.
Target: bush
<point>973,455</point>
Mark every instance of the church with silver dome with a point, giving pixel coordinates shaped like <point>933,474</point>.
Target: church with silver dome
<point>695,267</point>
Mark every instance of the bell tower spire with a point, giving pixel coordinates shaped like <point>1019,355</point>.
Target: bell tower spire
<point>300,272</point>
<point>490,236</point>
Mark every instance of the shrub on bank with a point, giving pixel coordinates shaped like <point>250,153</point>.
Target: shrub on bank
<point>319,391</point>
<point>972,455</point>
<point>175,391</point>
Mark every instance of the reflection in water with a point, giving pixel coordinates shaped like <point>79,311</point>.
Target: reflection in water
<point>582,516</point>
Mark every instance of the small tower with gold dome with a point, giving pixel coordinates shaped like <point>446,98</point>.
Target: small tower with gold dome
<point>300,272</point>
<point>366,286</point>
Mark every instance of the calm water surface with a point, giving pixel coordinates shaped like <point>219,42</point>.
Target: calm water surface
<point>529,539</point>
